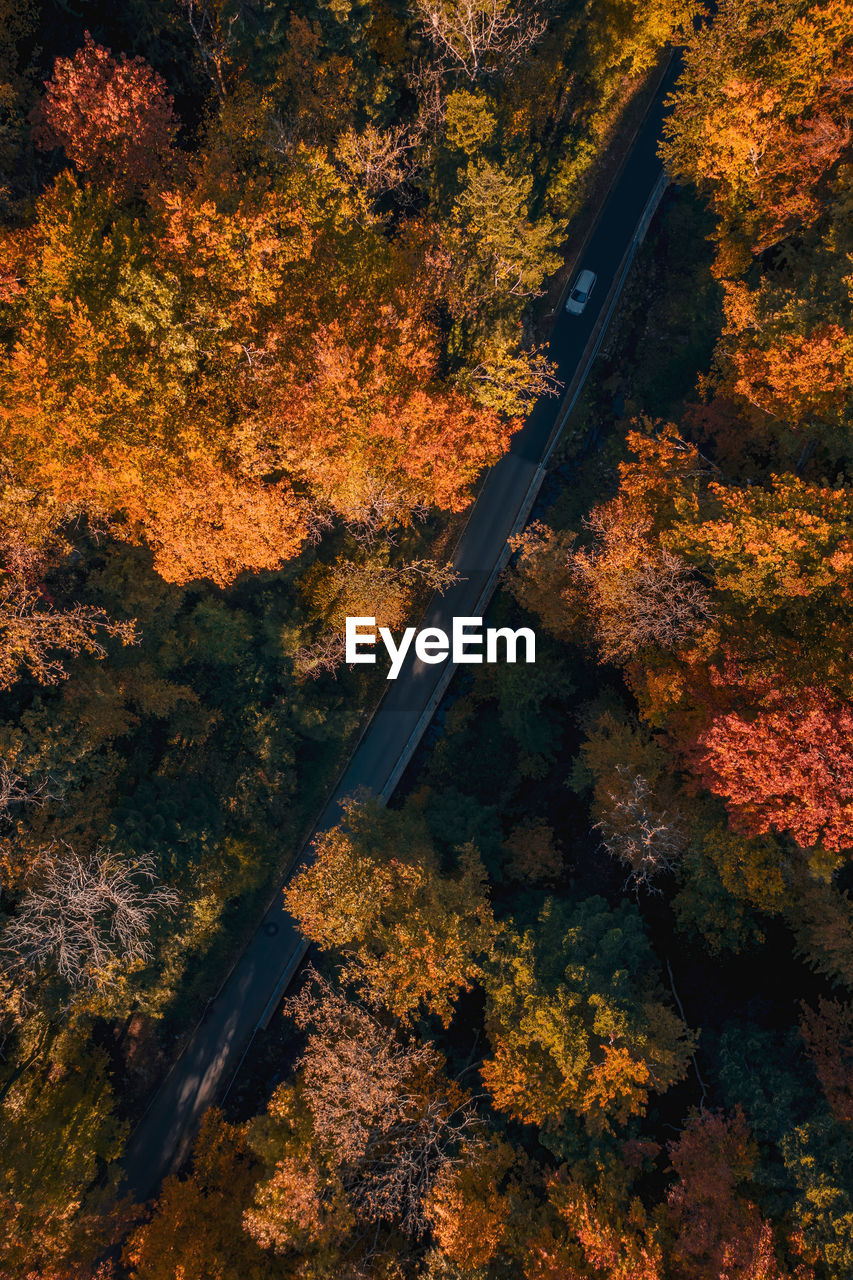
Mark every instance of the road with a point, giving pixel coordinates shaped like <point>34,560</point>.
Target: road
<point>163,1137</point>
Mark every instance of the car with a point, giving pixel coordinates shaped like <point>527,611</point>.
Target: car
<point>580,294</point>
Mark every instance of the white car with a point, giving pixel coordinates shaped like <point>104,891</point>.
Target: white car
<point>580,294</point>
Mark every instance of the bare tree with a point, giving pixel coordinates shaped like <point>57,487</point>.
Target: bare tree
<point>85,913</point>
<point>382,1104</point>
<point>376,161</point>
<point>426,81</point>
<point>478,36</point>
<point>636,831</point>
<point>382,506</point>
<point>14,791</point>
<point>318,523</point>
<point>214,37</point>
<point>323,657</point>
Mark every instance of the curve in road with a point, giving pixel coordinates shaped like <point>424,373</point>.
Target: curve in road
<point>162,1139</point>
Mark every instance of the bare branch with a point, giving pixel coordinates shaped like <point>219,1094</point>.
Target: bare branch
<point>511,381</point>
<point>86,913</point>
<point>637,832</point>
<point>477,37</point>
<point>640,593</point>
<point>14,791</point>
<point>31,627</point>
<point>376,161</point>
<point>213,39</point>
<point>380,509</point>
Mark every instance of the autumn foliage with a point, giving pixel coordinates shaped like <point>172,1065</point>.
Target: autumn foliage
<point>828,1033</point>
<point>273,294</point>
<point>787,768</point>
<point>375,893</point>
<point>719,1230</point>
<point>114,118</point>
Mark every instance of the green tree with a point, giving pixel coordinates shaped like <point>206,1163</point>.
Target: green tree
<point>577,1020</point>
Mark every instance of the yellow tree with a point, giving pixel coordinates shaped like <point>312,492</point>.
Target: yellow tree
<point>412,936</point>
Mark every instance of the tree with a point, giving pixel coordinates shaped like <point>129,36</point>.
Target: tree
<point>639,594</point>
<point>577,1022</point>
<point>611,1232</point>
<point>533,855</point>
<point>503,252</point>
<point>357,1076</point>
<point>725,879</point>
<point>122,337</point>
<point>804,1149</point>
<point>15,792</point>
<point>776,558</point>
<point>626,590</point>
<point>781,359</point>
<point>215,27</point>
<point>634,800</point>
<point>759,114</point>
<point>472,1203</point>
<point>808,554</point>
<point>821,918</point>
<point>510,380</point>
<point>828,1034</point>
<point>32,628</point>
<point>629,37</point>
<point>210,523</point>
<point>718,1230</point>
<point>369,420</point>
<point>370,588</point>
<point>479,36</point>
<point>59,1135</point>
<point>18,23</point>
<point>470,122</point>
<point>542,582</point>
<point>411,935</point>
<point>217,390</point>
<point>376,162</point>
<point>818,1162</point>
<point>195,1230</point>
<point>85,915</point>
<point>635,830</point>
<point>114,117</point>
<point>362,1135</point>
<point>788,767</point>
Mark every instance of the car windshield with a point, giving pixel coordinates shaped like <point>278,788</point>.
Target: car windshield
<point>579,295</point>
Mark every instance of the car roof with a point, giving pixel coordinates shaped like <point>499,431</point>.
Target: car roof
<point>585,279</point>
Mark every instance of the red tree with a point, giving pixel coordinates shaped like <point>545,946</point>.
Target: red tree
<point>828,1033</point>
<point>719,1233</point>
<point>113,117</point>
<point>787,768</point>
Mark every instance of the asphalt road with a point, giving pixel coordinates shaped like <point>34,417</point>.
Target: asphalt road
<point>162,1139</point>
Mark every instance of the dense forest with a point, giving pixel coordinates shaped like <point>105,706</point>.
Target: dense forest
<point>580,1004</point>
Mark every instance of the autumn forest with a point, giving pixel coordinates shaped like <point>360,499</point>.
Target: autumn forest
<point>277,284</point>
